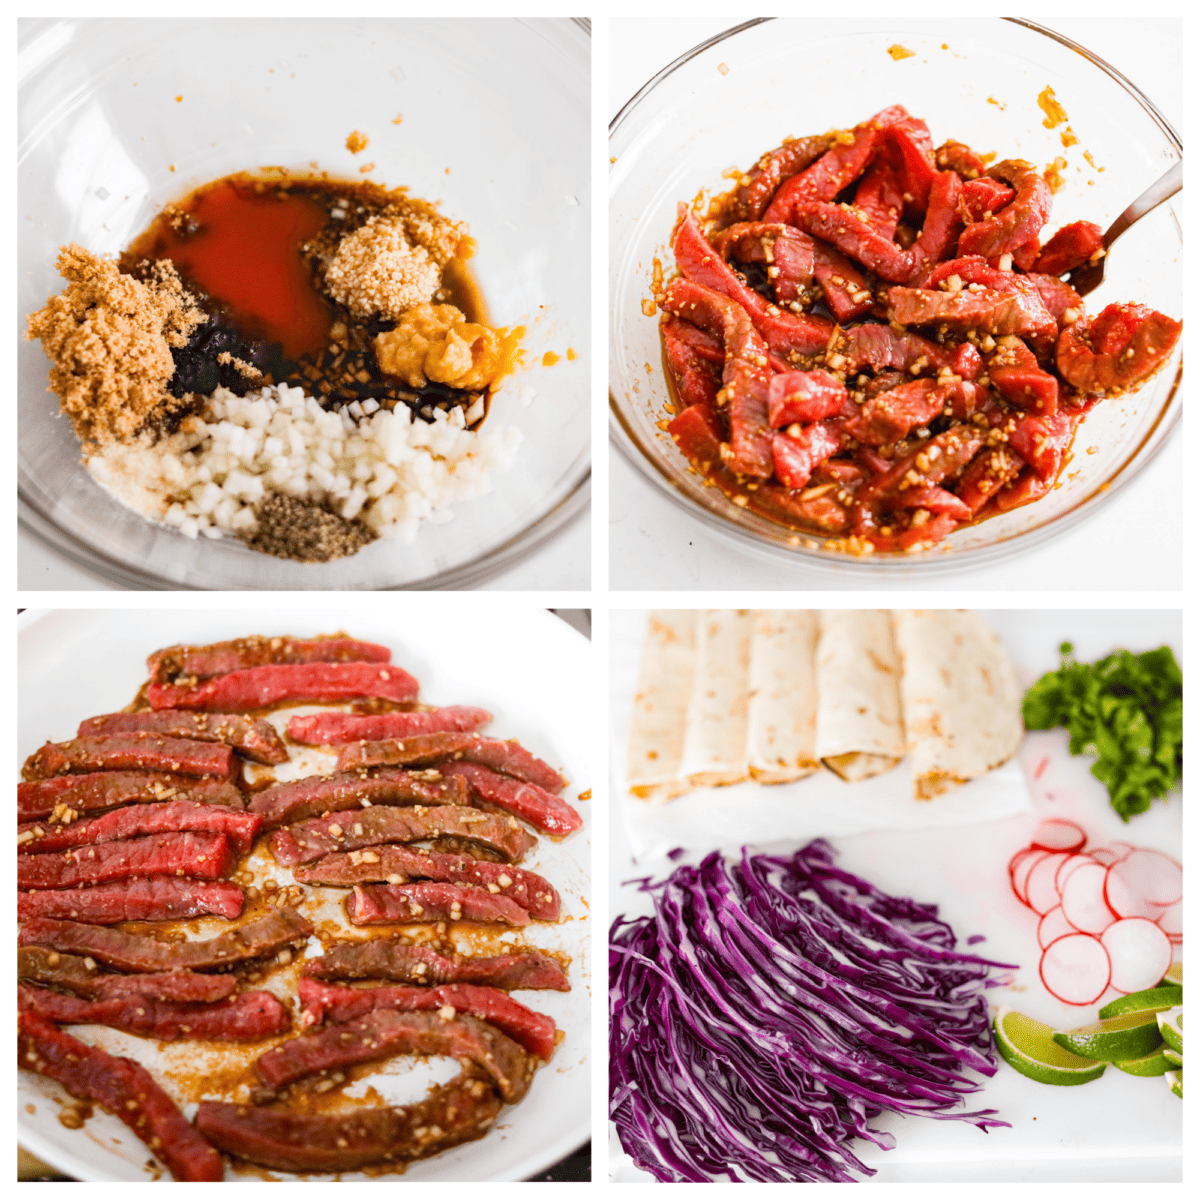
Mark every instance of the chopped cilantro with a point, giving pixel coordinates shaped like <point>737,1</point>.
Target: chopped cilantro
<point>1127,709</point>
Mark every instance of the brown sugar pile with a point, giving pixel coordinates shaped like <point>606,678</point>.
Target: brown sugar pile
<point>109,337</point>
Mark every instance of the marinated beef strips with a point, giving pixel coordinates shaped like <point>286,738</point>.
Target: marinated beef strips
<point>130,751</point>
<point>254,739</point>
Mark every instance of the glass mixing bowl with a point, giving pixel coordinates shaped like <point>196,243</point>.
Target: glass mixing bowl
<point>494,125</point>
<point>727,101</point>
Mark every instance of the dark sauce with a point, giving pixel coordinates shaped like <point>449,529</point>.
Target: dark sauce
<point>249,248</point>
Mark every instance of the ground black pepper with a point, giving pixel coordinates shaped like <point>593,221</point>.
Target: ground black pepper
<point>293,528</point>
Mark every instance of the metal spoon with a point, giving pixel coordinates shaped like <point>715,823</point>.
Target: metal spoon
<point>1090,276</point>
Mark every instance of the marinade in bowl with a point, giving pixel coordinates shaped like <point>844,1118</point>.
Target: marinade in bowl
<point>106,143</point>
<point>693,132</point>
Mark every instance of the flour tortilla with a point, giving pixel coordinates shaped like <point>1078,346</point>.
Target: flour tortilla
<point>859,728</point>
<point>660,706</point>
<point>782,735</point>
<point>962,706</point>
<point>714,745</point>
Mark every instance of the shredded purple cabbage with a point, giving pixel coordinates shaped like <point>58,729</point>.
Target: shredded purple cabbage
<point>770,1009</point>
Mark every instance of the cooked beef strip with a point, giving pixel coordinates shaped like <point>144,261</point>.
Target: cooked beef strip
<point>196,855</point>
<point>248,1017</point>
<point>130,751</point>
<point>177,816</point>
<point>509,757</point>
<point>66,797</point>
<point>337,728</point>
<point>131,952</point>
<point>399,864</point>
<point>72,973</point>
<point>221,658</point>
<point>420,965</point>
<point>159,898</point>
<point>384,1033</point>
<point>319,683</point>
<point>426,903</point>
<point>460,1112</point>
<point>543,810</point>
<point>286,803</point>
<point>533,1030</point>
<point>255,739</point>
<point>374,826</point>
<point>125,1089</point>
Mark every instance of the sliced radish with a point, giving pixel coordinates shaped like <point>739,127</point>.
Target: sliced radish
<point>1139,953</point>
<point>1123,896</point>
<point>1083,899</point>
<point>1076,969</point>
<point>1111,853</point>
<point>1152,876</point>
<point>1020,879</point>
<point>1067,866</point>
<point>1039,888</point>
<point>1170,920</point>
<point>1058,835</point>
<point>1053,926</point>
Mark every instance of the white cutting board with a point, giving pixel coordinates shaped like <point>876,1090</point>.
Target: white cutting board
<point>1119,1128</point>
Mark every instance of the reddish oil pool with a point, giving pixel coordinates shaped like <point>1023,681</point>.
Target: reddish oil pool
<point>246,254</point>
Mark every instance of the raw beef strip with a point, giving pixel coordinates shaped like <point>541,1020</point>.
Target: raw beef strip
<point>197,855</point>
<point>319,683</point>
<point>533,1030</point>
<point>75,794</point>
<point>130,751</point>
<point>337,728</point>
<point>125,1089</point>
<point>543,810</point>
<point>156,899</point>
<point>426,903</point>
<point>133,952</point>
<point>257,740</point>
<point>223,657</point>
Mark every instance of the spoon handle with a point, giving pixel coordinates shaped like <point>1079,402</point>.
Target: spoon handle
<point>1152,197</point>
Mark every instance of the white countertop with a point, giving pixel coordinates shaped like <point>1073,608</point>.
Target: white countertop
<point>655,545</point>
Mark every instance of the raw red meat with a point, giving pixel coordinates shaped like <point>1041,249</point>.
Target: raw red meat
<point>130,751</point>
<point>399,864</point>
<point>255,739</point>
<point>374,826</point>
<point>427,903</point>
<point>184,816</point>
<point>317,794</point>
<point>324,1001</point>
<point>125,1089</point>
<point>107,789</point>
<point>223,657</point>
<point>258,687</point>
<point>197,855</point>
<point>420,965</point>
<point>337,728</point>
<point>384,1033</point>
<point>154,899</point>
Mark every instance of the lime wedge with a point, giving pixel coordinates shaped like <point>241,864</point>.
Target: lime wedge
<point>1172,1056</point>
<point>1175,1081</point>
<point>1151,1000</point>
<point>1115,1039</point>
<point>1174,973</point>
<point>1154,1063</point>
<point>1170,1024</point>
<point>1028,1047</point>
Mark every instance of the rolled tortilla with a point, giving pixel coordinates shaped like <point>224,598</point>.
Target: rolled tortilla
<point>714,746</point>
<point>782,735</point>
<point>962,705</point>
<point>660,705</point>
<point>859,730</point>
